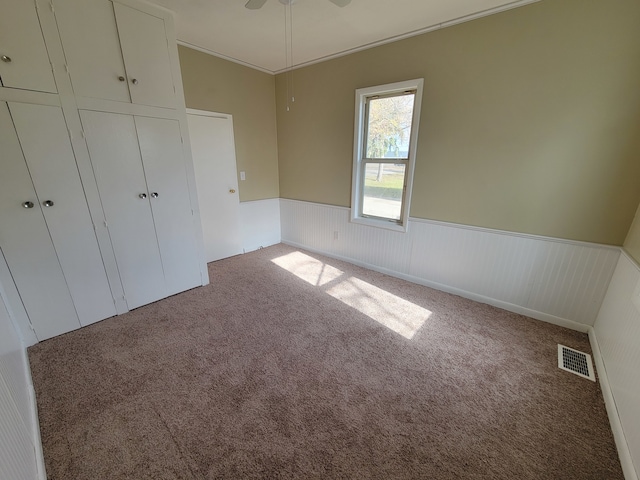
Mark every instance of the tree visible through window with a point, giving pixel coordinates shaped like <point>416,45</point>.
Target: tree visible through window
<point>386,153</point>
<point>383,167</point>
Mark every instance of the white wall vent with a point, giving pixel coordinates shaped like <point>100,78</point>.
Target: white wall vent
<point>576,362</point>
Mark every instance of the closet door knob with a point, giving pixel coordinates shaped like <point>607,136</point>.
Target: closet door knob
<point>154,194</point>
<point>232,191</point>
<point>28,205</point>
<point>143,195</point>
<point>6,59</point>
<point>48,203</point>
<point>134,81</point>
<point>121,78</point>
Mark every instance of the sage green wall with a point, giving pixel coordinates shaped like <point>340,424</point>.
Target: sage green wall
<point>217,85</point>
<point>632,242</point>
<point>530,120</point>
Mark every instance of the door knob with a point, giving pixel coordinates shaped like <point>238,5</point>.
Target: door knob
<point>143,195</point>
<point>28,205</point>
<point>154,194</point>
<point>48,203</point>
<point>121,78</point>
<point>232,191</point>
<point>5,59</point>
<point>134,81</point>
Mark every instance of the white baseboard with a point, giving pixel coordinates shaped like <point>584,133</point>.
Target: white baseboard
<point>612,410</point>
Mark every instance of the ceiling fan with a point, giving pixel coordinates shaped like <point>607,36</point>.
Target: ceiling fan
<point>256,4</point>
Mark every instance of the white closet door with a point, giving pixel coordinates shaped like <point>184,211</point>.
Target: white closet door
<point>25,62</point>
<point>214,160</point>
<point>26,243</point>
<point>146,57</point>
<point>47,149</point>
<point>115,156</point>
<point>90,41</point>
<point>161,147</point>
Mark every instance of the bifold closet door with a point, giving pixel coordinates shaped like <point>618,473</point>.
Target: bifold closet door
<point>26,244</point>
<point>161,147</point>
<point>47,149</point>
<point>115,157</point>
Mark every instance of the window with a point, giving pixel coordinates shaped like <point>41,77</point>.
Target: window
<point>386,134</point>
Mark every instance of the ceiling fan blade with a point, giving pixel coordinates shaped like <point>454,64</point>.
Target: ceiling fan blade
<point>341,3</point>
<point>256,4</point>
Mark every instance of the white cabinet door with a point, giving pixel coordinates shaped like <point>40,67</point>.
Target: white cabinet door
<point>164,167</point>
<point>90,40</point>
<point>214,161</point>
<point>146,57</point>
<point>47,149</point>
<point>115,156</point>
<point>24,62</point>
<point>116,52</point>
<point>26,244</point>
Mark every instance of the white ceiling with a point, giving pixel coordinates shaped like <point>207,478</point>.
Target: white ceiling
<point>320,28</point>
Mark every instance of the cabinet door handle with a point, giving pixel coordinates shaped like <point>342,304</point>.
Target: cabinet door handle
<point>28,205</point>
<point>48,203</point>
<point>154,194</point>
<point>6,59</point>
<point>143,195</point>
<point>134,81</point>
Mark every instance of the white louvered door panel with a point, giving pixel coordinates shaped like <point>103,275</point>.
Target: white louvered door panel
<point>26,244</point>
<point>115,156</point>
<point>25,61</point>
<point>166,175</point>
<point>90,40</point>
<point>146,55</point>
<point>47,149</point>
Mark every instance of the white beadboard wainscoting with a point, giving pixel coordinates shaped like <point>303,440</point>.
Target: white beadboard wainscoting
<point>559,281</point>
<point>260,223</point>
<point>20,449</point>
<point>616,334</point>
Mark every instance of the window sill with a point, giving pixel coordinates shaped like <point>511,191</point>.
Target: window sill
<point>387,225</point>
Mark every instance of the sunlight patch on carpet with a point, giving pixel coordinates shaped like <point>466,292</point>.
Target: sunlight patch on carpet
<point>395,313</point>
<point>308,268</point>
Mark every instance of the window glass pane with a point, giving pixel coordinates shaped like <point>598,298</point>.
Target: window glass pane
<point>383,186</point>
<point>389,126</point>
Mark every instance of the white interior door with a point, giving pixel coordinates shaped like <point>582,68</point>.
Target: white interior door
<point>47,149</point>
<point>115,156</point>
<point>92,49</point>
<point>26,244</point>
<point>214,159</point>
<point>25,62</point>
<point>146,57</point>
<point>161,148</point>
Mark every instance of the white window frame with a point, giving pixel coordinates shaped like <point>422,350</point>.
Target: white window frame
<point>357,182</point>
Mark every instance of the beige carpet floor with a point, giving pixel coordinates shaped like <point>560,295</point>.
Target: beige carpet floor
<point>293,365</point>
